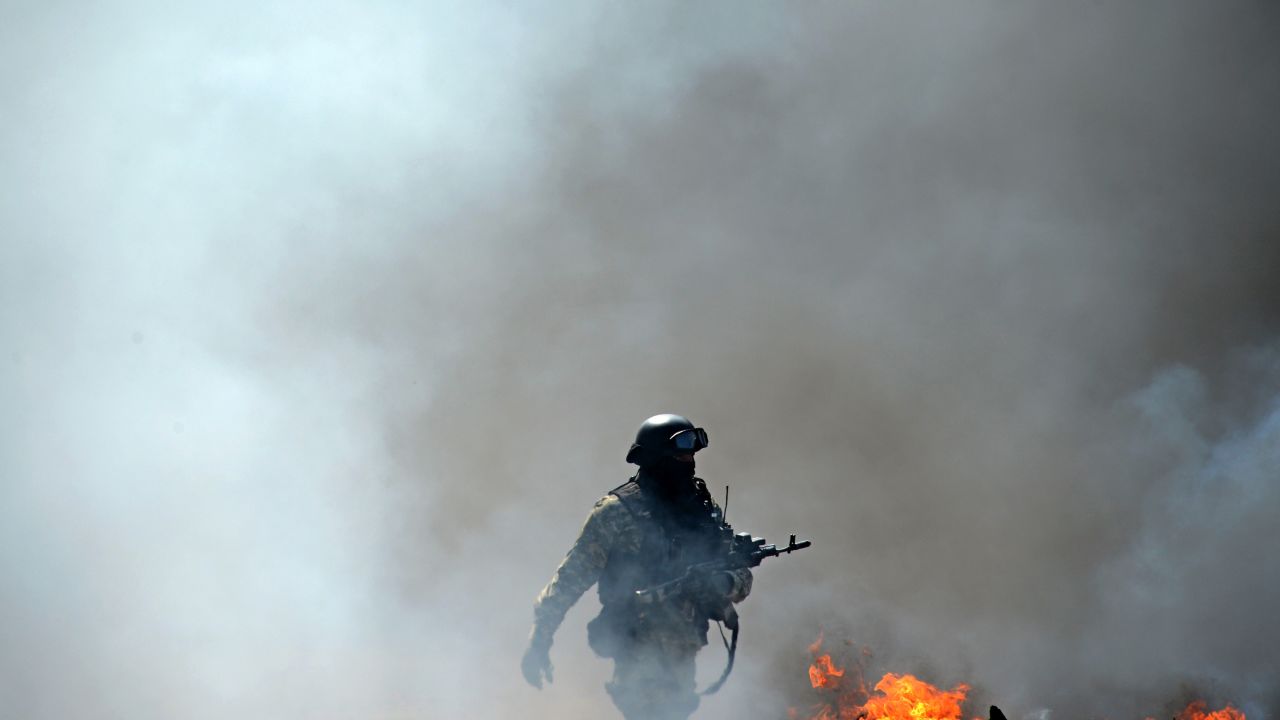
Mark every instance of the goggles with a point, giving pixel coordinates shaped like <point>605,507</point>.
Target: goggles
<point>691,440</point>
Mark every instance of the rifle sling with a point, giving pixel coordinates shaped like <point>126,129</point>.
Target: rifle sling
<point>728,668</point>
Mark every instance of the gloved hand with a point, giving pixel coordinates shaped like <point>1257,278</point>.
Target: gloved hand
<point>712,595</point>
<point>537,661</point>
<point>716,585</point>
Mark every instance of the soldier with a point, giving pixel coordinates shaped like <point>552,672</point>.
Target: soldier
<point>645,532</point>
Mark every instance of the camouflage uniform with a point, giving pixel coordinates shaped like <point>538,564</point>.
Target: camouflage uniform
<point>629,542</point>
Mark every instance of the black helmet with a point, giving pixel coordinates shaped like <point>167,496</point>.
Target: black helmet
<point>665,435</point>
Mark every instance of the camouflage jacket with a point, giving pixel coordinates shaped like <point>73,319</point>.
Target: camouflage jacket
<point>615,533</point>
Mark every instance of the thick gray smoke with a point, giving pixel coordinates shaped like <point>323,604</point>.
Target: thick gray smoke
<point>325,323</point>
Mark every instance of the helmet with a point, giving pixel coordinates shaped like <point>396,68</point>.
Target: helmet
<point>665,435</point>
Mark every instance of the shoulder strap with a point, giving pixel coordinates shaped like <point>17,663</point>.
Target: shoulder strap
<point>623,488</point>
<point>639,505</point>
<point>633,499</point>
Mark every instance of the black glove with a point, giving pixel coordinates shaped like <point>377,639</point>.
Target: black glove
<point>713,597</point>
<point>716,585</point>
<point>536,662</point>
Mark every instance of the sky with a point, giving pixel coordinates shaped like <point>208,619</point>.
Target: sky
<point>325,324</point>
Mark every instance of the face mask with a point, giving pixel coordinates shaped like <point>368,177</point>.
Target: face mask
<point>670,469</point>
<point>673,480</point>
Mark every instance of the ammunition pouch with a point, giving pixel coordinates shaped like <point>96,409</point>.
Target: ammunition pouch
<point>616,627</point>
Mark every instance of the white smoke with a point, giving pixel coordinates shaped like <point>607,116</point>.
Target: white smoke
<point>325,323</point>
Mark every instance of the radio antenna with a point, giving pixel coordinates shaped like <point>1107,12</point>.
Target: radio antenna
<point>724,512</point>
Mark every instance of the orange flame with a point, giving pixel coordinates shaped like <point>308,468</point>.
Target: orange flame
<point>906,697</point>
<point>824,673</point>
<point>1198,710</point>
<point>843,695</point>
<point>900,697</point>
<point>816,646</point>
<point>841,688</point>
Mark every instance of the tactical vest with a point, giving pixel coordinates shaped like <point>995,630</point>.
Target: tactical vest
<point>670,541</point>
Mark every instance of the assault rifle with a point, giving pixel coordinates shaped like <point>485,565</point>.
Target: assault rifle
<point>745,551</point>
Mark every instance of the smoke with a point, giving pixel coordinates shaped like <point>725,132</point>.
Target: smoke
<point>325,324</point>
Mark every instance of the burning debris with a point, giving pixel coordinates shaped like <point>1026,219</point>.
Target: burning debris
<point>895,697</point>
<point>824,674</point>
<point>906,696</point>
<point>1199,710</point>
<point>843,695</point>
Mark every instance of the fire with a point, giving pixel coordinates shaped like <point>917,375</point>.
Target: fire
<point>842,695</point>
<point>907,697</point>
<point>1198,710</point>
<point>841,689</point>
<point>825,674</point>
<point>898,697</point>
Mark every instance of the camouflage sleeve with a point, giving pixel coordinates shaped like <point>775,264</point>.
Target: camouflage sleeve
<point>605,527</point>
<point>741,584</point>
